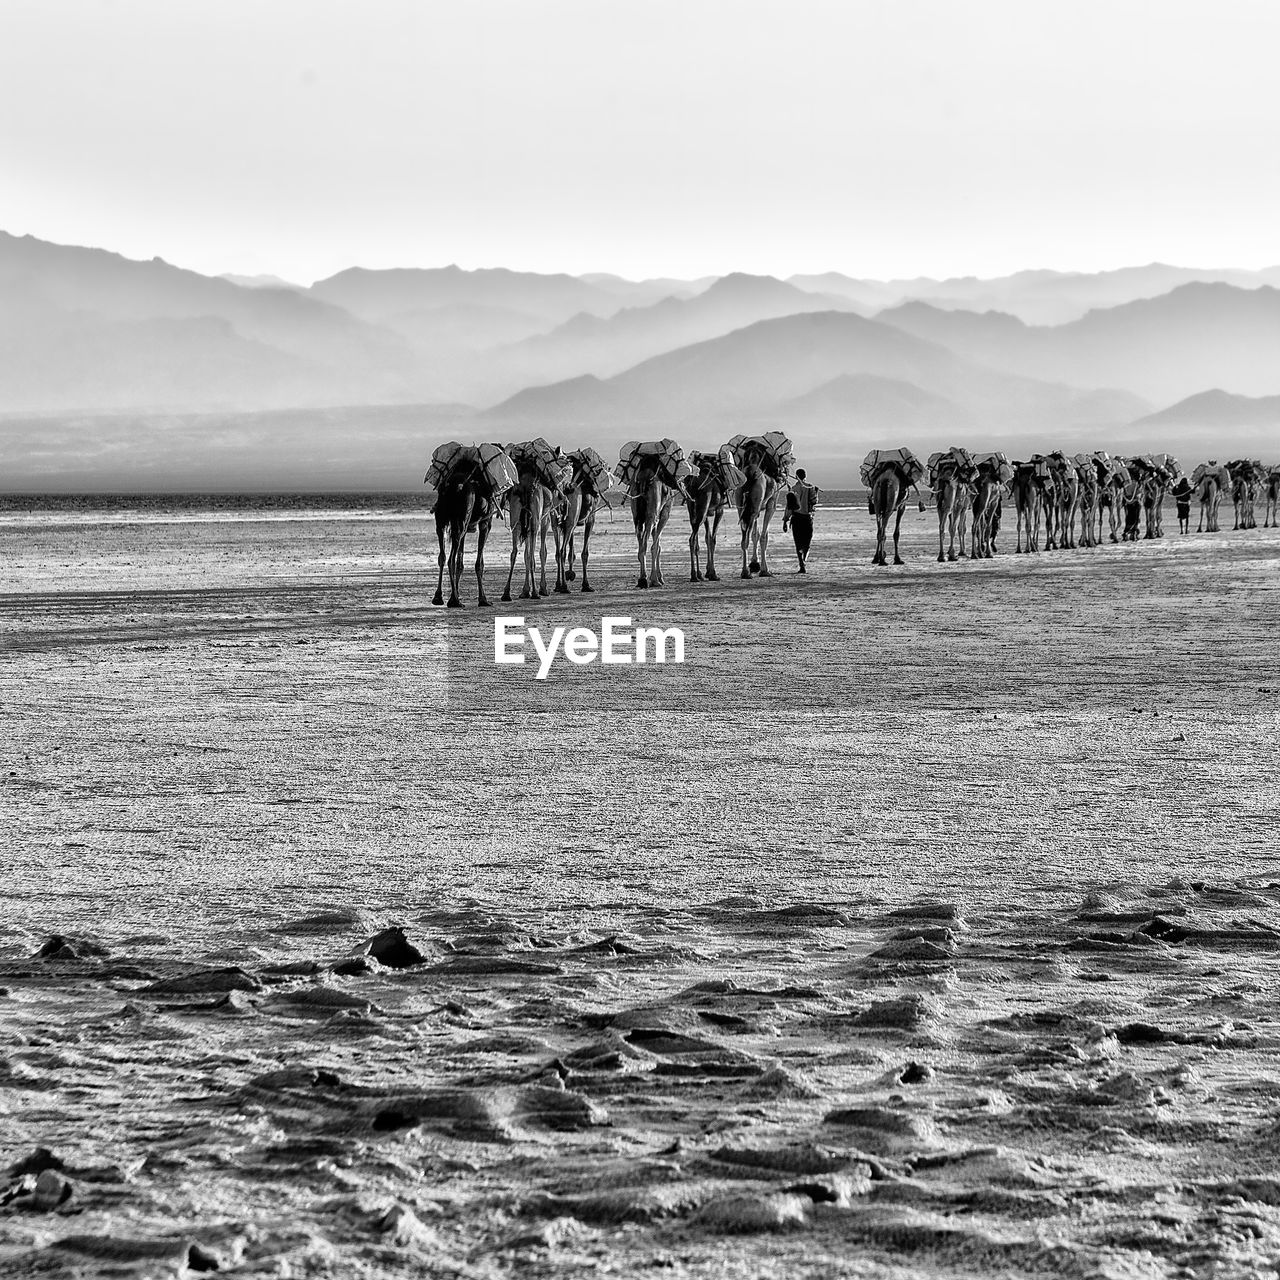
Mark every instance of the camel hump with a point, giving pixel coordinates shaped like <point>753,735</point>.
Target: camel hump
<point>551,468</point>
<point>663,459</point>
<point>490,460</point>
<point>587,462</point>
<point>907,465</point>
<point>773,450</point>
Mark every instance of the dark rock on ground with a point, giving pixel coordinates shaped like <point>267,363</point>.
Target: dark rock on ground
<point>60,947</point>
<point>391,947</point>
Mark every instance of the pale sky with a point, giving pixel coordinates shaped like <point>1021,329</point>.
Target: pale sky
<point>646,137</point>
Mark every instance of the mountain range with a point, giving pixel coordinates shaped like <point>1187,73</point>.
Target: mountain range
<point>326,379</point>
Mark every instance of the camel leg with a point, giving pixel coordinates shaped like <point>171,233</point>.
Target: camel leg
<point>515,550</point>
<point>763,554</point>
<point>570,573</point>
<point>586,542</point>
<point>457,555</point>
<point>482,536</point>
<point>642,540</point>
<point>897,528</point>
<point>561,550</point>
<point>529,590</point>
<point>712,530</point>
<point>695,573</point>
<point>438,598</point>
<point>542,585</point>
<point>655,577</point>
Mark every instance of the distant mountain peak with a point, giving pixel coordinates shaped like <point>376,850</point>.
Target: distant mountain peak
<point>741,284</point>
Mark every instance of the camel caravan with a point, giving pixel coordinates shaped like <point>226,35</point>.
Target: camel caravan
<point>550,500</point>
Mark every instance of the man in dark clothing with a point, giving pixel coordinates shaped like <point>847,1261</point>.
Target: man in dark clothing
<point>802,499</point>
<point>1182,496</point>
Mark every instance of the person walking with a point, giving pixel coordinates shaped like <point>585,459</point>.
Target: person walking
<point>1182,496</point>
<point>802,499</point>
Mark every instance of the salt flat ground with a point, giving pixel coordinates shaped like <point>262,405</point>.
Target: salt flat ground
<point>663,1005</point>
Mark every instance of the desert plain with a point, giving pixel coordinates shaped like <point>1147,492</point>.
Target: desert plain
<point>925,921</point>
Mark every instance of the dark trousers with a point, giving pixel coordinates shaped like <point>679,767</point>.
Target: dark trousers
<point>802,532</point>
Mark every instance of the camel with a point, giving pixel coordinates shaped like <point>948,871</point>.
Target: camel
<point>1161,470</point>
<point>1244,487</point>
<point>1208,480</point>
<point>951,475</point>
<point>765,462</point>
<point>1273,499</point>
<point>1060,515</point>
<point>589,481</point>
<point>1087,474</point>
<point>1112,478</point>
<point>1046,489</point>
<point>469,482</point>
<point>1026,505</point>
<point>653,472</point>
<point>706,496</point>
<point>992,471</point>
<point>531,506</point>
<point>890,475</point>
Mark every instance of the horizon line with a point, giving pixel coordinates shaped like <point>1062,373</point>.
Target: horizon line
<point>699,277</point>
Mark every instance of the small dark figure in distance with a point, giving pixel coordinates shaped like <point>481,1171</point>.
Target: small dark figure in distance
<point>802,500</point>
<point>1182,496</point>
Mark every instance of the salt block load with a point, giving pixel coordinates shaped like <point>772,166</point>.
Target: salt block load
<point>775,454</point>
<point>1212,470</point>
<point>491,458</point>
<point>722,464</point>
<point>997,464</point>
<point>955,461</point>
<point>553,470</point>
<point>636,456</point>
<point>594,467</point>
<point>907,465</point>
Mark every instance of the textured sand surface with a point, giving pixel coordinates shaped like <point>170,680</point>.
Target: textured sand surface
<point>925,921</point>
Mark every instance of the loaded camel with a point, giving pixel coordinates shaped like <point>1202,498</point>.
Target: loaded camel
<point>1208,480</point>
<point>951,477</point>
<point>764,461</point>
<point>469,481</point>
<point>1066,483</point>
<point>1245,476</point>
<point>584,494</point>
<point>1026,505</point>
<point>1112,479</point>
<point>653,472</point>
<point>890,475</point>
<point>1087,472</point>
<point>706,494</point>
<point>992,473</point>
<point>531,505</point>
<point>1273,498</point>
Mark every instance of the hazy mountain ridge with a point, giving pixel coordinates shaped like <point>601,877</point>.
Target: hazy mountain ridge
<point>1037,297</point>
<point>1165,348</point>
<point>604,346</point>
<point>87,328</point>
<point>1218,408</point>
<point>85,331</point>
<point>771,362</point>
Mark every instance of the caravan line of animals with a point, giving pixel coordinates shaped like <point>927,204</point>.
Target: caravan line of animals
<point>552,496</point>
